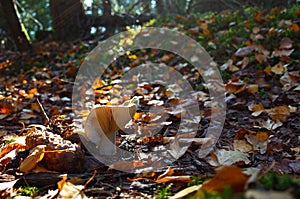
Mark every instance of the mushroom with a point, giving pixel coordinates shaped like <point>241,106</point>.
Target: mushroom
<point>103,122</point>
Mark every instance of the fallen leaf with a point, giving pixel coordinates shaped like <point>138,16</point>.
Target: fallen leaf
<point>279,113</point>
<point>261,194</point>
<point>242,52</point>
<point>270,124</point>
<point>35,156</point>
<point>11,147</point>
<point>185,192</point>
<point>125,165</point>
<point>278,69</point>
<point>259,141</point>
<point>294,27</point>
<point>252,88</point>
<point>168,172</point>
<point>184,179</point>
<point>242,145</point>
<point>228,158</point>
<point>6,188</point>
<point>230,176</point>
<point>286,43</point>
<point>69,190</point>
<point>257,108</point>
<point>260,58</point>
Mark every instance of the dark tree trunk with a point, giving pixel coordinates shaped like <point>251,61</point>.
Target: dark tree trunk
<point>68,19</point>
<point>15,26</point>
<point>110,28</point>
<point>160,7</point>
<point>70,22</point>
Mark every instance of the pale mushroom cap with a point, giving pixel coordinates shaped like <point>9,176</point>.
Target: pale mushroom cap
<point>103,122</point>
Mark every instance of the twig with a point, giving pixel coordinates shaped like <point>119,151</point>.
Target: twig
<point>43,111</point>
<point>91,178</point>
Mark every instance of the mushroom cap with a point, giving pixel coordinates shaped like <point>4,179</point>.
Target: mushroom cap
<point>103,122</point>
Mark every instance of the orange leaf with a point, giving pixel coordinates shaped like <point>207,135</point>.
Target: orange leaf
<point>259,141</point>
<point>33,91</point>
<point>294,27</point>
<point>279,113</point>
<point>174,179</point>
<point>6,108</point>
<point>168,172</point>
<point>230,176</point>
<point>11,147</point>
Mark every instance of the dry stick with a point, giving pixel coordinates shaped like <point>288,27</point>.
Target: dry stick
<point>42,109</point>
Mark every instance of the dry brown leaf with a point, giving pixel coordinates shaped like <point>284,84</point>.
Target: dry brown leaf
<point>242,52</point>
<point>184,179</point>
<point>69,190</point>
<point>35,156</point>
<point>168,172</point>
<point>261,194</point>
<point>227,158</point>
<point>279,113</point>
<point>286,43</point>
<point>255,30</point>
<point>252,88</point>
<point>260,58</point>
<point>7,158</point>
<point>242,145</point>
<point>257,108</point>
<point>186,192</point>
<point>230,176</point>
<point>259,141</point>
<point>270,124</point>
<point>11,147</point>
<point>235,87</point>
<point>125,165</point>
<point>278,69</point>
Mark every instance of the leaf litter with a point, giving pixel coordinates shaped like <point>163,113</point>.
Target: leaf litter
<point>260,69</point>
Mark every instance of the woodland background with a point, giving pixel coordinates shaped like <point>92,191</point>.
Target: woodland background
<point>254,44</point>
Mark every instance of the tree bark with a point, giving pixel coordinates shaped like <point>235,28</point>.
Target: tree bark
<point>110,28</point>
<point>160,7</point>
<point>68,19</point>
<point>15,26</point>
<point>70,22</point>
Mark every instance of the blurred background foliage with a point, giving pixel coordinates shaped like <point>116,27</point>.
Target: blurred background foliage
<point>36,16</point>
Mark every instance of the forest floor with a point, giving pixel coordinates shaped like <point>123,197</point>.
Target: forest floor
<point>257,155</point>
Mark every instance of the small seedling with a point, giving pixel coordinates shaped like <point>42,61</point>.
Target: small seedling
<point>196,180</point>
<point>27,191</point>
<point>261,92</point>
<point>9,141</point>
<point>163,192</point>
<point>246,79</point>
<point>276,182</point>
<point>226,194</point>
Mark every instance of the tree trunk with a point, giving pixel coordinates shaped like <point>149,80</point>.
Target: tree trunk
<point>110,28</point>
<point>68,19</point>
<point>15,26</point>
<point>160,7</point>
